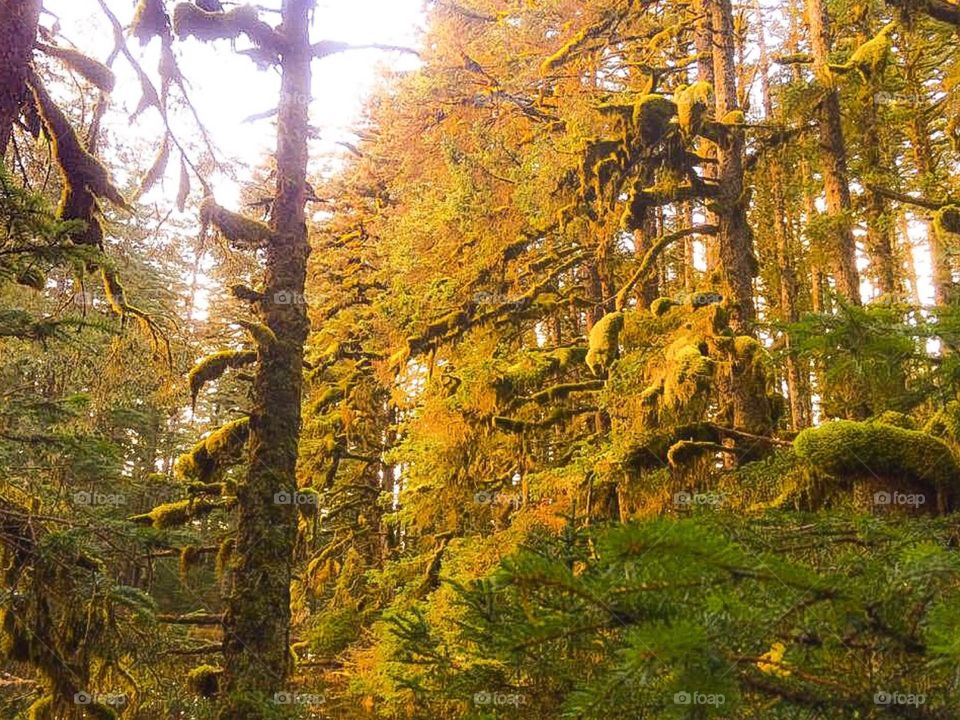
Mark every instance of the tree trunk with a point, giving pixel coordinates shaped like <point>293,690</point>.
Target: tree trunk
<point>833,158</point>
<point>257,621</point>
<point>879,226</point>
<point>703,40</point>
<point>19,20</point>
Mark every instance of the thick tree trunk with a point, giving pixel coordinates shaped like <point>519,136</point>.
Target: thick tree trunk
<point>18,31</point>
<point>833,158</point>
<point>750,409</point>
<point>703,41</point>
<point>734,238</point>
<point>257,621</point>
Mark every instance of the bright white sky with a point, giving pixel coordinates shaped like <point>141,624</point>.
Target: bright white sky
<point>227,88</point>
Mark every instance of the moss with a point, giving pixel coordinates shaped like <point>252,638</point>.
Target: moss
<point>897,419</point>
<point>228,440</point>
<point>149,21</point>
<point>686,451</point>
<point>224,555</point>
<point>308,503</point>
<point>189,557</point>
<point>870,59</point>
<point>564,390</point>
<point>205,680</point>
<point>92,70</point>
<point>945,423</point>
<point>41,709</point>
<point>651,116</point>
<point>84,178</point>
<point>214,366</point>
<point>190,20</point>
<point>947,219</point>
<point>847,449</point>
<point>561,55</point>
<point>32,277</point>
<point>604,342</point>
<point>177,513</point>
<point>236,228</point>
<point>692,103</point>
<point>688,372</point>
<point>734,117</point>
<point>262,335</point>
<point>218,449</point>
<point>661,306</point>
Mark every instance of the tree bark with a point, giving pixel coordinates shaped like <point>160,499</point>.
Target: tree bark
<point>257,620</point>
<point>19,20</point>
<point>833,157</point>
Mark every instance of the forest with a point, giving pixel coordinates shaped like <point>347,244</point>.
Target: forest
<point>609,368</point>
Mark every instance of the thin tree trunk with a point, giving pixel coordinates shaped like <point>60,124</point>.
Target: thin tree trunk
<point>703,41</point>
<point>19,20</point>
<point>257,621</point>
<point>833,158</point>
<point>879,226</point>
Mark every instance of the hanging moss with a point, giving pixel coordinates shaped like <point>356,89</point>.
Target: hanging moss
<point>190,20</point>
<point>84,178</point>
<point>734,117</point>
<point>214,366</point>
<point>205,680</point>
<point>236,228</point>
<point>871,58</point>
<point>692,103</point>
<point>947,219</point>
<point>224,555</point>
<point>604,342</point>
<point>262,335</point>
<point>190,556</point>
<point>688,373</point>
<point>847,449</point>
<point>92,70</point>
<point>217,450</point>
<point>564,390</point>
<point>149,21</point>
<point>651,116</point>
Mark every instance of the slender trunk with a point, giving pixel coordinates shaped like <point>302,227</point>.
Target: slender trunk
<point>879,227</point>
<point>19,20</point>
<point>704,46</point>
<point>833,158</point>
<point>911,265</point>
<point>257,621</point>
<point>689,280</point>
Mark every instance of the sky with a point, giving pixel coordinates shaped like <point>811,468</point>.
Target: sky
<point>227,89</point>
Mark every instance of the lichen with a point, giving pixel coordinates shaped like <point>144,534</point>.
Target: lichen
<point>692,103</point>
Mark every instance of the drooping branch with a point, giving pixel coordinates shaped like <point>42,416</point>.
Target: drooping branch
<point>325,48</point>
<point>653,253</point>
<point>910,199</point>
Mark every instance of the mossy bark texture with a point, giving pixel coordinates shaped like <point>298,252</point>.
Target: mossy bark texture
<point>19,20</point>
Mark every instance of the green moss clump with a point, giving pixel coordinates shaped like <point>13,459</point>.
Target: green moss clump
<point>692,102</point>
<point>236,228</point>
<point>947,219</point>
<point>897,419</point>
<point>218,449</point>
<point>661,306</point>
<point>262,335</point>
<point>604,343</point>
<point>847,449</point>
<point>945,423</point>
<point>686,451</point>
<point>177,513</point>
<point>870,59</point>
<point>214,366</point>
<point>651,116</point>
<point>561,55</point>
<point>205,680</point>
<point>688,372</point>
